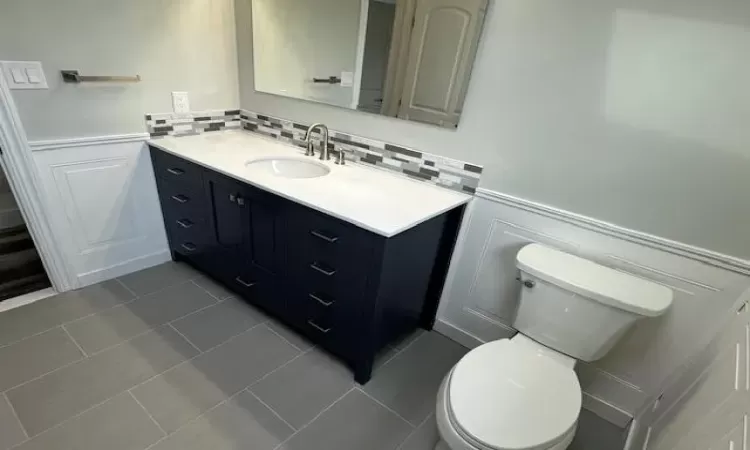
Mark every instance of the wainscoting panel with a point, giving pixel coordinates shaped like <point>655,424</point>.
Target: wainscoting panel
<point>102,197</point>
<point>480,299</point>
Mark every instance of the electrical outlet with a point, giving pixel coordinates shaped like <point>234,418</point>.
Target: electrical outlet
<point>180,102</point>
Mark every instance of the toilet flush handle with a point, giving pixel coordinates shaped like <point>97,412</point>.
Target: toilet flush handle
<point>526,283</point>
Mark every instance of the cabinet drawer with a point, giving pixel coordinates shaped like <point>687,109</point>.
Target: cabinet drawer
<point>329,240</point>
<point>176,170</point>
<point>179,201</point>
<point>325,320</point>
<point>259,288</point>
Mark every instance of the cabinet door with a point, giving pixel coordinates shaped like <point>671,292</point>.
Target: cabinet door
<point>227,240</point>
<point>264,239</point>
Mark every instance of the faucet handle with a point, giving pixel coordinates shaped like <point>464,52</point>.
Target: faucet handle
<point>341,157</point>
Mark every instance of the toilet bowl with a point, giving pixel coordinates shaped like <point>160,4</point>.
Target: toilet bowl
<point>501,396</point>
<point>522,393</point>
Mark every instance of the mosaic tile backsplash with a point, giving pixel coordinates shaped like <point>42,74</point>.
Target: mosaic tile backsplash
<point>446,172</point>
<point>171,124</point>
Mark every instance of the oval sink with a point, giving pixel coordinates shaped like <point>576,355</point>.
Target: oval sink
<point>289,167</point>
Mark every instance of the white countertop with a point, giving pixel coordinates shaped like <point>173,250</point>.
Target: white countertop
<point>373,199</point>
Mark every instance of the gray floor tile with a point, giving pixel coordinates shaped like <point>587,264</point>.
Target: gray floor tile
<point>406,340</point>
<point>35,356</point>
<point>118,424</point>
<point>60,395</point>
<point>213,288</point>
<point>11,432</point>
<point>425,437</point>
<point>39,316</point>
<point>384,356</point>
<point>215,324</point>
<point>188,390</point>
<point>290,335</point>
<point>120,323</point>
<point>354,422</point>
<point>303,388</point>
<point>158,277</point>
<point>409,382</point>
<point>595,433</point>
<point>241,423</point>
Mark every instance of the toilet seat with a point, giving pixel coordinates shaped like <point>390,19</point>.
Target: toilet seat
<point>502,396</point>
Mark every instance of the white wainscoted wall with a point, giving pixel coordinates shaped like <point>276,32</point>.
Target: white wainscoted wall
<point>102,201</point>
<point>480,297</point>
<point>706,401</point>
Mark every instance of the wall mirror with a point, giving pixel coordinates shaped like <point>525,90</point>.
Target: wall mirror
<point>401,58</point>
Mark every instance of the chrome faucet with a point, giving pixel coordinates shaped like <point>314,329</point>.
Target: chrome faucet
<point>323,142</point>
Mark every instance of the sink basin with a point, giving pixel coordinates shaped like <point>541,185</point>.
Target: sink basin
<point>289,167</point>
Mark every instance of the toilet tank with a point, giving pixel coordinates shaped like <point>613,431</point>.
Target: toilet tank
<point>579,307</point>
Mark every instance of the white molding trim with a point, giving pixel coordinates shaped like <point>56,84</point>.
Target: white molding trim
<point>126,267</point>
<point>25,183</point>
<point>715,259</point>
<point>54,144</point>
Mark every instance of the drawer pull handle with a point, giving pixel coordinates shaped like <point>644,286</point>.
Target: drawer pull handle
<point>318,327</point>
<point>188,246</point>
<point>244,283</point>
<point>320,300</point>
<point>179,198</point>
<point>185,223</point>
<point>325,272</point>
<point>320,235</point>
<point>177,172</point>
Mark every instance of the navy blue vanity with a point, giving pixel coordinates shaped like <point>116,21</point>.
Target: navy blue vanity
<point>347,289</point>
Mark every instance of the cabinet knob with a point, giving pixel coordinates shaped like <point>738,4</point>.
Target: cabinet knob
<point>188,246</point>
<point>179,198</point>
<point>177,172</point>
<point>232,198</point>
<point>240,201</point>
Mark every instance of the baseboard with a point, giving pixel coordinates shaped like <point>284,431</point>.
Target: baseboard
<point>677,248</point>
<point>124,268</point>
<point>53,144</point>
<point>456,334</point>
<point>596,405</point>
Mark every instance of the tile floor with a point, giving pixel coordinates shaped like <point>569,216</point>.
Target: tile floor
<point>166,359</point>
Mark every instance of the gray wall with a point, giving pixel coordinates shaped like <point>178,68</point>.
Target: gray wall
<point>630,112</point>
<point>186,45</point>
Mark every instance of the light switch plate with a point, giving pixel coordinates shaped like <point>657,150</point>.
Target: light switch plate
<point>180,102</point>
<point>24,74</point>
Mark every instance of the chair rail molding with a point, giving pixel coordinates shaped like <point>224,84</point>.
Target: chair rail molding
<point>25,183</point>
<point>55,144</point>
<point>480,297</point>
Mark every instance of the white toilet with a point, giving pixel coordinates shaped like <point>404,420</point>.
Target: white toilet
<point>522,393</point>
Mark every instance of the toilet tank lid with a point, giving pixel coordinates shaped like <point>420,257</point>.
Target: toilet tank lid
<point>598,282</point>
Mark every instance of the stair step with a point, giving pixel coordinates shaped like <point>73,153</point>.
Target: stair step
<point>27,269</point>
<point>32,283</point>
<point>19,258</point>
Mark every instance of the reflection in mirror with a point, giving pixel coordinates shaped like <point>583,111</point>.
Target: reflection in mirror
<point>401,58</point>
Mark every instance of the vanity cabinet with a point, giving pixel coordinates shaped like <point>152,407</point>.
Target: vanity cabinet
<point>349,290</point>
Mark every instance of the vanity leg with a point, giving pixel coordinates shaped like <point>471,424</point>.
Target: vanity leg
<point>363,370</point>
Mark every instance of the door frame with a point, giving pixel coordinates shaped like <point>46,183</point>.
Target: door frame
<point>23,178</point>
<point>364,12</point>
<point>398,57</point>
